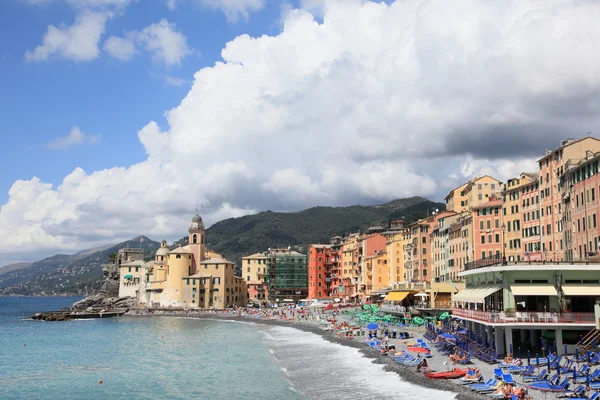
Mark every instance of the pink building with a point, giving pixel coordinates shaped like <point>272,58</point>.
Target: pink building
<point>487,230</point>
<point>582,208</point>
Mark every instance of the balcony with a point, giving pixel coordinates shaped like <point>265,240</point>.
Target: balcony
<point>530,317</point>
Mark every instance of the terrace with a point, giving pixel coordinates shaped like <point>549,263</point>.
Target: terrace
<point>495,317</point>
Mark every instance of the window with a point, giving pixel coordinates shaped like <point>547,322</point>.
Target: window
<point>178,256</point>
<point>248,269</point>
<point>497,223</point>
<point>489,224</point>
<point>481,225</point>
<point>489,238</point>
<point>497,238</point>
<point>479,196</point>
<point>482,239</point>
<point>424,239</point>
<point>248,278</point>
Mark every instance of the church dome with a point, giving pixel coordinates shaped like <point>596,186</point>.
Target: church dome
<point>163,249</point>
<point>196,218</point>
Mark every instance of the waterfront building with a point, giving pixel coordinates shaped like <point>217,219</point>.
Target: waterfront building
<point>460,249</point>
<point>349,276</point>
<point>377,272</point>
<point>418,247</point>
<point>254,270</point>
<point>394,250</point>
<point>580,188</point>
<point>515,190</point>
<point>551,168</point>
<point>183,277</point>
<point>440,248</point>
<point>487,230</point>
<point>521,305</point>
<point>369,245</point>
<point>287,275</point>
<point>319,275</point>
<point>531,217</point>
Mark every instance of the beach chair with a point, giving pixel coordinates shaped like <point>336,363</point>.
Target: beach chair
<point>508,378</point>
<point>540,377</point>
<point>594,396</point>
<point>498,373</point>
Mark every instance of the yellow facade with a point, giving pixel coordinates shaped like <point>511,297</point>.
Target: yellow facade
<point>479,191</point>
<point>188,276</point>
<point>512,212</point>
<point>395,257</point>
<point>381,271</point>
<point>254,268</point>
<point>456,199</point>
<point>348,265</point>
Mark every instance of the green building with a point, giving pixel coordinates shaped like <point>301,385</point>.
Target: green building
<point>287,275</point>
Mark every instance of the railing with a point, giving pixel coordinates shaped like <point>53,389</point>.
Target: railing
<point>392,308</point>
<point>484,262</point>
<point>525,316</point>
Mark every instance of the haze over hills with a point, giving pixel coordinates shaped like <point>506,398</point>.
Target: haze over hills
<point>81,274</point>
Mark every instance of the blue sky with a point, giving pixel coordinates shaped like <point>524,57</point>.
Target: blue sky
<point>119,117</point>
<point>105,97</point>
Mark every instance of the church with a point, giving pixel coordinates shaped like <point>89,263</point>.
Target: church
<point>186,277</point>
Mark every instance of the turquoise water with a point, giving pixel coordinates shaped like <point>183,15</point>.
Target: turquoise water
<point>178,358</point>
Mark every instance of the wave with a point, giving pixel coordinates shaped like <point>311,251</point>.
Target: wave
<point>321,369</point>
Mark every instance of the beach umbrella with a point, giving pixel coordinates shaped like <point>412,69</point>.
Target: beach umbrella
<point>574,375</point>
<point>519,351</point>
<point>537,359</point>
<point>589,353</point>
<point>595,344</point>
<point>372,326</point>
<point>421,294</point>
<point>565,350</point>
<point>511,348</point>
<point>576,353</point>
<point>528,358</point>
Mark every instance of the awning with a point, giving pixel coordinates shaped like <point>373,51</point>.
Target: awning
<point>463,295</point>
<point>581,290</point>
<point>533,290</point>
<point>128,276</point>
<point>475,295</point>
<point>396,296</point>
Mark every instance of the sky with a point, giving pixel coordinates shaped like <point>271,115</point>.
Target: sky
<point>120,117</point>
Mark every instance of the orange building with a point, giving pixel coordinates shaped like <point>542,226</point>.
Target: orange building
<point>487,230</point>
<point>323,262</point>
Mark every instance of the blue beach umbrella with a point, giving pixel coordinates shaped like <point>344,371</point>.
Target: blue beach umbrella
<point>565,349</point>
<point>372,326</point>
<point>574,375</point>
<point>589,353</point>
<point>576,353</point>
<point>511,349</point>
<point>528,358</point>
<point>537,359</point>
<point>595,344</point>
<point>520,352</point>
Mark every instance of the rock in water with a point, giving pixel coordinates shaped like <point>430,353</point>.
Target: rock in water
<point>108,295</point>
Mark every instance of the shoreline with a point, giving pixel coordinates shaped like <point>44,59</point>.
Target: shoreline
<point>408,374</point>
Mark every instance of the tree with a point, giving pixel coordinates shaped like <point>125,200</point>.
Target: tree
<point>112,257</point>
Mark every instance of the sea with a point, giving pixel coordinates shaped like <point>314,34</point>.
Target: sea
<point>180,358</point>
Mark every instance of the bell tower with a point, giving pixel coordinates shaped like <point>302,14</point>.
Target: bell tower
<point>197,236</point>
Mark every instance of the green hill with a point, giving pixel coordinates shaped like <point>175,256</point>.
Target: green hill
<point>237,237</point>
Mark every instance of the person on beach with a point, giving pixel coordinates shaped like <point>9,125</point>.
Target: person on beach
<point>455,357</point>
<point>423,365</point>
<point>508,359</point>
<point>473,377</point>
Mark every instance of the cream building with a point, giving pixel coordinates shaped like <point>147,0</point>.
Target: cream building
<point>254,270</point>
<point>185,277</point>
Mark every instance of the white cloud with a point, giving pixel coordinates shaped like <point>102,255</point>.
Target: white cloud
<point>166,45</point>
<point>377,102</point>
<point>120,48</point>
<point>77,42</point>
<point>172,5</point>
<point>164,42</point>
<point>74,138</point>
<point>235,10</point>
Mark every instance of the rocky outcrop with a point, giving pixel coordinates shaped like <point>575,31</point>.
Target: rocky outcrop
<point>51,316</point>
<point>108,296</point>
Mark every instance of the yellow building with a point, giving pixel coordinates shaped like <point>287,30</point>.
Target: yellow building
<point>512,211</point>
<point>456,199</point>
<point>349,267</point>
<point>377,273</point>
<point>394,250</point>
<point>254,270</point>
<point>479,191</point>
<point>460,245</point>
<point>177,277</point>
<point>440,248</point>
